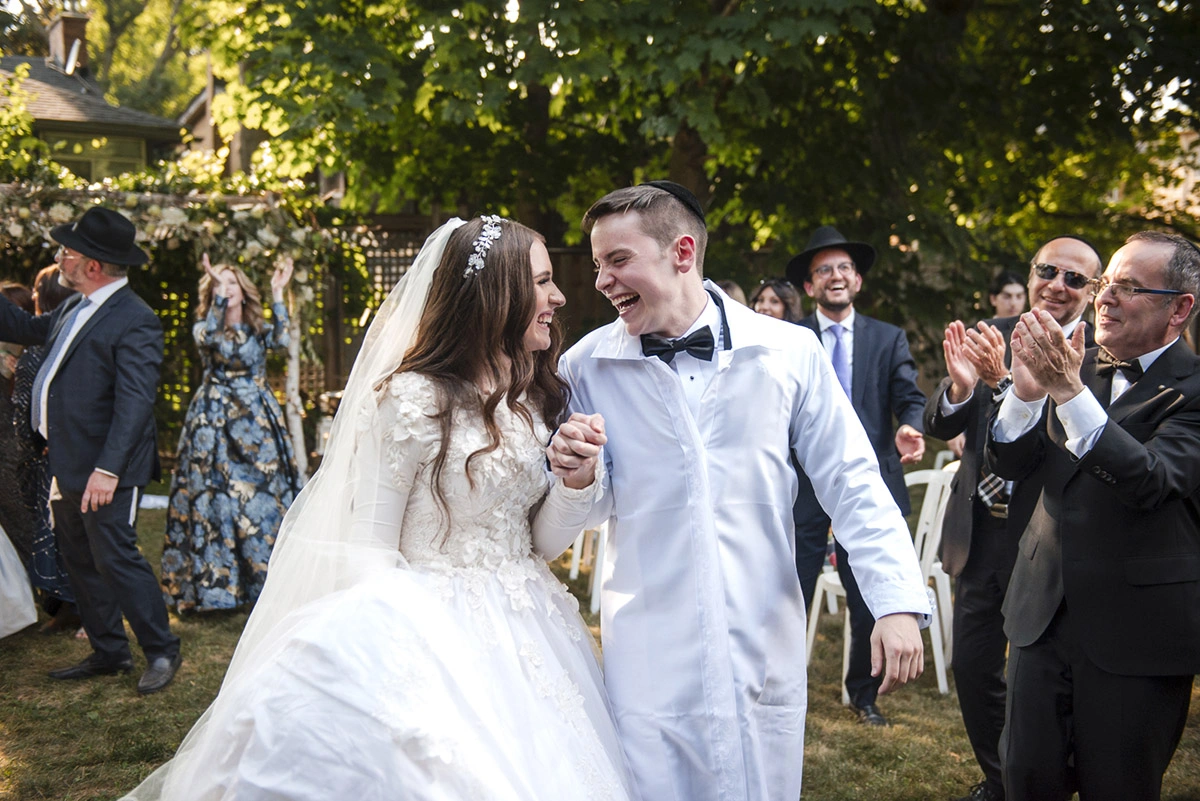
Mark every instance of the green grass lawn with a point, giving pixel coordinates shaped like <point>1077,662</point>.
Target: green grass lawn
<point>96,739</point>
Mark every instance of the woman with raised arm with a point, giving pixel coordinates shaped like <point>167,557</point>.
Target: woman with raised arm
<point>409,642</point>
<point>236,475</point>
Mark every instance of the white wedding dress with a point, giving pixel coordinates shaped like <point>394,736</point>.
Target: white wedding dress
<point>463,671</point>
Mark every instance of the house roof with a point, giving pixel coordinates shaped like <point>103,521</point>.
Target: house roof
<point>75,103</point>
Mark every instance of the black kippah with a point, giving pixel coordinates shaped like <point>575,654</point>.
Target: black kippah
<point>682,194</point>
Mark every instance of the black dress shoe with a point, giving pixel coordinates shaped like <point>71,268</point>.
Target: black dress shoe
<point>981,792</point>
<point>869,715</point>
<point>158,674</point>
<point>94,665</point>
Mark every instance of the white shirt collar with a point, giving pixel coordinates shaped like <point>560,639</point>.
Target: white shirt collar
<point>105,292</point>
<point>824,322</point>
<point>1147,359</point>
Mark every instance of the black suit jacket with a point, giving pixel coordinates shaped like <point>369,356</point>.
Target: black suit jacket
<point>972,420</point>
<point>101,401</point>
<point>1117,532</point>
<point>883,384</point>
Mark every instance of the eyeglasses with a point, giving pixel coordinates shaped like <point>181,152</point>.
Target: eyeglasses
<point>1072,279</point>
<point>63,254</point>
<point>826,270</point>
<point>1125,292</point>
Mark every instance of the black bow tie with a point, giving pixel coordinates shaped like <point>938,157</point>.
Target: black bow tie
<point>1106,363</point>
<point>699,343</point>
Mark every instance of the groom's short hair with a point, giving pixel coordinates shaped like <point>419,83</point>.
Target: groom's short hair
<point>663,216</point>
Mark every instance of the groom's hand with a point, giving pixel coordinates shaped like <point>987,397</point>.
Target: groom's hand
<point>897,650</point>
<point>574,448</point>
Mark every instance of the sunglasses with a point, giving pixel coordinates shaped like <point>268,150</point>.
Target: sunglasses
<point>1072,279</point>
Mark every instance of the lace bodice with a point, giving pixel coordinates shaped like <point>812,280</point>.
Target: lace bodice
<point>489,521</point>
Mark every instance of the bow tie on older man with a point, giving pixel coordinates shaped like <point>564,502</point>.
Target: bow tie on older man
<point>699,343</point>
<point>1107,364</point>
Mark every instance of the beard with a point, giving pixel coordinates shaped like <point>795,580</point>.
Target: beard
<point>825,302</point>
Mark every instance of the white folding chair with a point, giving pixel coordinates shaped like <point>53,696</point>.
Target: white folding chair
<point>829,587</point>
<point>597,566</point>
<point>588,549</point>
<point>942,458</point>
<point>941,579</point>
<point>926,538</point>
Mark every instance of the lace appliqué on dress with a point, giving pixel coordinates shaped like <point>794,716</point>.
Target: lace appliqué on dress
<point>558,686</point>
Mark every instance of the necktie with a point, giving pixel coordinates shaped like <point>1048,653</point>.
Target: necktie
<point>1107,364</point>
<point>993,493</point>
<point>841,359</point>
<point>699,343</point>
<point>48,364</point>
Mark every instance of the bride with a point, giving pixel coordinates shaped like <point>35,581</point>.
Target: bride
<point>409,644</point>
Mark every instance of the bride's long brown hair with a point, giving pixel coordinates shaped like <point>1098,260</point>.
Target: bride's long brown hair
<point>472,325</point>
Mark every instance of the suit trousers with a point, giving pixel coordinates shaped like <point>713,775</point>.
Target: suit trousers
<point>980,647</point>
<point>860,684</point>
<point>1072,726</point>
<point>111,578</point>
<point>812,543</point>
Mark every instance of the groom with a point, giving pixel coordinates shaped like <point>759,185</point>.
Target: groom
<point>702,615</point>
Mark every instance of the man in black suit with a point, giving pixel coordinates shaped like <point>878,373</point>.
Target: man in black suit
<point>979,537</point>
<point>93,402</point>
<point>1101,611</point>
<point>877,371</point>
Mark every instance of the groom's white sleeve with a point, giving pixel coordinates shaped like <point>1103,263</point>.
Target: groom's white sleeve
<point>832,448</point>
<point>566,512</point>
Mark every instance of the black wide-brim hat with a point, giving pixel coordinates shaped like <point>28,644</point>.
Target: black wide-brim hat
<point>828,237</point>
<point>104,235</point>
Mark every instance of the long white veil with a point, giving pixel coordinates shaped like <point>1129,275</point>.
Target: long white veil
<point>318,551</point>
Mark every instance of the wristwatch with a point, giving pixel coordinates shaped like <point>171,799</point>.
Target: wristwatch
<point>1003,385</point>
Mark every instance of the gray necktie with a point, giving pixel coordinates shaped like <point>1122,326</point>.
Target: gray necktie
<point>841,359</point>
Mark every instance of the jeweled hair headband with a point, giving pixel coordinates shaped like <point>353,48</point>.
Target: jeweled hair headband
<point>482,244</point>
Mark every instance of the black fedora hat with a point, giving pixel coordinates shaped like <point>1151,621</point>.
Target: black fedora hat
<point>102,234</point>
<point>828,237</point>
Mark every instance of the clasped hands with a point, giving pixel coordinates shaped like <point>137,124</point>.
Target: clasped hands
<point>574,448</point>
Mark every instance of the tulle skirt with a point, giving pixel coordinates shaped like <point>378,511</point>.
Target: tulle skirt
<point>416,684</point>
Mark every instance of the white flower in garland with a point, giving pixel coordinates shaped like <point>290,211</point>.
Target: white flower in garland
<point>267,237</point>
<point>174,216</point>
<point>61,213</point>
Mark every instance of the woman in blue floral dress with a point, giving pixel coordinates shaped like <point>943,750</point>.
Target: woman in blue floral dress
<point>236,474</point>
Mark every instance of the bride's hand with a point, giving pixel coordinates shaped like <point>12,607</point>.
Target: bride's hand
<point>574,448</point>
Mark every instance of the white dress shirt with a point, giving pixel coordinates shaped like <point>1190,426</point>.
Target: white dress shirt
<point>697,374</point>
<point>95,301</point>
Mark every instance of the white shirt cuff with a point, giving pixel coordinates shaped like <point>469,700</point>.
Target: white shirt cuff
<point>1083,420</point>
<point>948,408</point>
<point>1016,417</point>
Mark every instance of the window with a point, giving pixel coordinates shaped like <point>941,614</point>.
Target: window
<point>96,157</point>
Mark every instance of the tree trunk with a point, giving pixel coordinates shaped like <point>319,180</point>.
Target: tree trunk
<point>686,165</point>
<point>294,407</point>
